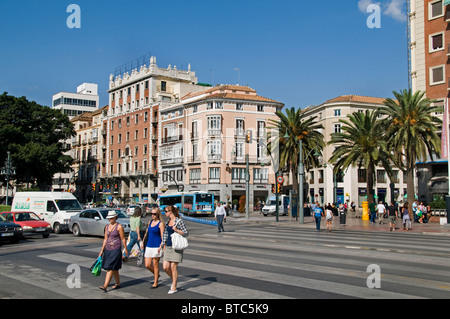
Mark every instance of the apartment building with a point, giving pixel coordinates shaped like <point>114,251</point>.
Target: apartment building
<point>131,129</point>
<point>203,143</point>
<point>88,156</point>
<point>350,185</point>
<point>430,72</point>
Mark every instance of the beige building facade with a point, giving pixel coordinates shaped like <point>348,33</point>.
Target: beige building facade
<point>204,143</point>
<point>352,185</point>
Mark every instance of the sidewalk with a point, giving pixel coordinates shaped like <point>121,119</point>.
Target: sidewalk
<point>352,223</point>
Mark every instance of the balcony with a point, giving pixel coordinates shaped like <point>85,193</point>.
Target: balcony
<point>214,158</point>
<point>214,132</point>
<point>172,139</point>
<point>172,161</point>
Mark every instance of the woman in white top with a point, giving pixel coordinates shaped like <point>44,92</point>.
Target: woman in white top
<point>329,218</point>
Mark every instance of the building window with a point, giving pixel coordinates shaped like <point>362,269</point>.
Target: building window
<point>214,125</point>
<point>260,108</point>
<point>437,75</point>
<point>436,42</point>
<point>238,175</point>
<point>337,112</point>
<point>163,86</point>
<point>239,107</point>
<point>435,9</point>
<point>195,176</point>
<point>214,175</point>
<point>337,128</point>
<point>214,149</point>
<point>260,175</point>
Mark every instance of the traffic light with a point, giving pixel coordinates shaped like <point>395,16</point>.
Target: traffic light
<point>279,188</point>
<point>93,187</point>
<point>273,188</point>
<point>248,137</point>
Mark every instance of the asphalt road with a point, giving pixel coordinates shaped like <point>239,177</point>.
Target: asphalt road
<point>249,261</point>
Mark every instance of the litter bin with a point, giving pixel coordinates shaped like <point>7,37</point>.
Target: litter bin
<point>342,217</point>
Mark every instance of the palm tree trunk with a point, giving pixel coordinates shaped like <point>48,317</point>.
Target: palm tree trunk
<point>370,183</point>
<point>410,186</point>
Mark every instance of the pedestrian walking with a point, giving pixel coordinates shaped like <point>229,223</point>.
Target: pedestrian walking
<point>172,257</point>
<point>373,211</point>
<point>392,216</point>
<point>135,231</point>
<point>318,215</point>
<point>329,218</point>
<point>153,252</point>
<point>406,217</point>
<point>220,214</point>
<point>381,210</point>
<point>112,250</point>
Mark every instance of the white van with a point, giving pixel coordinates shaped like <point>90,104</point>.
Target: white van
<point>56,208</point>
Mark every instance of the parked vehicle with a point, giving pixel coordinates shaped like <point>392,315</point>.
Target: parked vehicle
<point>130,209</point>
<point>270,207</point>
<point>10,231</point>
<point>30,222</point>
<point>56,208</point>
<point>93,222</point>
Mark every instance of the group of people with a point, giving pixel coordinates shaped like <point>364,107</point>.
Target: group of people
<point>393,212</point>
<point>326,213</point>
<point>157,240</point>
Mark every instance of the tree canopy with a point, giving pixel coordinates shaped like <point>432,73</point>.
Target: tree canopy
<point>34,134</point>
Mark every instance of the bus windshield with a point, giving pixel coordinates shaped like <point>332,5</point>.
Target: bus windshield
<point>170,200</point>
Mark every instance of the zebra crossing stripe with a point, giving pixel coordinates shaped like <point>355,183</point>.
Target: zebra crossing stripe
<point>201,286</point>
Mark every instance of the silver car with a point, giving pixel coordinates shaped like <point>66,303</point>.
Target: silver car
<point>93,222</point>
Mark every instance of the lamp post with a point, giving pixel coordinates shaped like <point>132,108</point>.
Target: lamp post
<point>301,175</point>
<point>8,170</point>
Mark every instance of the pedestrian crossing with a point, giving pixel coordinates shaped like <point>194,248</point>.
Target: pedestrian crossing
<point>266,262</point>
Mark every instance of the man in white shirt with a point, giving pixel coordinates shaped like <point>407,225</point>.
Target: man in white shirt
<point>220,214</point>
<point>381,209</point>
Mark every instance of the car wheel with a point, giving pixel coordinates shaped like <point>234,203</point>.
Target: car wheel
<point>76,230</point>
<point>57,228</point>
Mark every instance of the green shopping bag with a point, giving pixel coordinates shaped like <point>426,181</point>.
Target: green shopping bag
<point>96,267</point>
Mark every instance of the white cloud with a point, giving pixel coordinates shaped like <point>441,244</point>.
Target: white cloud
<point>363,4</point>
<point>395,9</point>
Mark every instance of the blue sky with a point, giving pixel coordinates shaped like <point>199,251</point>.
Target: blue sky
<point>295,51</point>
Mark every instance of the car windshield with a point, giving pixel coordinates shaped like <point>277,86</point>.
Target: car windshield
<point>118,211</point>
<point>68,204</point>
<point>22,217</point>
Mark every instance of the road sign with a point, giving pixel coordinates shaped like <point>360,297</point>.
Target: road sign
<point>280,179</point>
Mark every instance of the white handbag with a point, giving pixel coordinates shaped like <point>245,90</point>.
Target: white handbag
<point>179,242</point>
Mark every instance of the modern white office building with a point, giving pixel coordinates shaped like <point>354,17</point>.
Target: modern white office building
<point>86,99</point>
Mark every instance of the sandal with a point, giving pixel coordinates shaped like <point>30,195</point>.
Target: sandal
<point>116,286</point>
<point>103,288</point>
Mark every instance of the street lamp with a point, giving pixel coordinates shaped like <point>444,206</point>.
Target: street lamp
<point>301,174</point>
<point>8,170</point>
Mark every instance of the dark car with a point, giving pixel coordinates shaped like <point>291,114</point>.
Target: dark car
<point>10,231</point>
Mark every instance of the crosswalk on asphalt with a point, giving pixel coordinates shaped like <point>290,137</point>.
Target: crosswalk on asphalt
<point>267,262</point>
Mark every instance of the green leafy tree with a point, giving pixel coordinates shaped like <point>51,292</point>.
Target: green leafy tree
<point>411,130</point>
<point>292,127</point>
<point>361,143</point>
<point>34,135</point>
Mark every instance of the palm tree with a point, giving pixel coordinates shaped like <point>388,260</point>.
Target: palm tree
<point>361,143</point>
<point>292,127</point>
<point>411,130</point>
